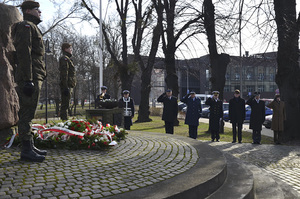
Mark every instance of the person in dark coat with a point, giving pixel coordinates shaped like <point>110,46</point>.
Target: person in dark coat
<point>193,113</point>
<point>170,110</point>
<point>237,114</point>
<point>278,118</point>
<point>257,116</point>
<point>127,103</point>
<point>216,115</point>
<point>103,96</point>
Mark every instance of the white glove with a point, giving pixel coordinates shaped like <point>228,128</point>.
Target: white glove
<point>220,119</point>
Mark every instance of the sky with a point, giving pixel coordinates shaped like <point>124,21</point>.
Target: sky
<point>248,42</point>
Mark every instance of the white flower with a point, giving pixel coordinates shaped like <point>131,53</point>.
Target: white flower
<point>101,138</point>
<point>60,124</point>
<point>69,123</point>
<point>66,126</point>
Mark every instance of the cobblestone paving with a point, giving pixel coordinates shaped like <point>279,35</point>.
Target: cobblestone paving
<point>279,160</point>
<point>139,161</point>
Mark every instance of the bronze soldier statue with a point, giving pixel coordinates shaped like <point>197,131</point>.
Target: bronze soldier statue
<point>67,79</point>
<point>30,74</point>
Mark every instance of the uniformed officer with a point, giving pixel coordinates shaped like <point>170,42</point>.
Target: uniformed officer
<point>103,95</point>
<point>216,115</point>
<point>257,116</point>
<point>127,103</point>
<point>193,113</point>
<point>170,110</point>
<point>30,74</point>
<point>67,78</point>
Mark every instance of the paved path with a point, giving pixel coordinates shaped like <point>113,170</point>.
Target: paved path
<point>279,160</point>
<point>141,160</point>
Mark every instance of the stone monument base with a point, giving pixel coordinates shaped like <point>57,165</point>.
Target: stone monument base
<point>107,116</point>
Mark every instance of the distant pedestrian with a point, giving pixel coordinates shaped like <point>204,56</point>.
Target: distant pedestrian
<point>215,116</point>
<point>193,113</point>
<point>257,116</point>
<point>237,114</point>
<point>127,103</point>
<point>170,110</point>
<point>30,73</point>
<point>67,78</point>
<point>278,118</point>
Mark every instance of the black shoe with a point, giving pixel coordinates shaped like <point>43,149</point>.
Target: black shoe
<point>28,154</point>
<point>240,141</point>
<point>38,151</point>
<point>212,140</point>
<point>218,140</point>
<point>233,141</point>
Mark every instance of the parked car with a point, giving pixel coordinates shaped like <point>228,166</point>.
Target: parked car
<point>204,106</point>
<point>181,106</point>
<point>206,111</point>
<point>268,121</point>
<point>248,113</point>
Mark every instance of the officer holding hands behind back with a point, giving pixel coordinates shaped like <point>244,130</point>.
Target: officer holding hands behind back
<point>216,115</point>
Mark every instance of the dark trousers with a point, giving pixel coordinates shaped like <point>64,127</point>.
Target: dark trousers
<point>215,135</point>
<point>65,103</point>
<point>193,131</point>
<point>127,123</point>
<point>256,136</point>
<point>239,125</point>
<point>277,136</point>
<point>169,127</point>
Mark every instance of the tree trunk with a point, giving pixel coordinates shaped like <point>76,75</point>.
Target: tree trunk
<point>218,62</point>
<point>287,77</point>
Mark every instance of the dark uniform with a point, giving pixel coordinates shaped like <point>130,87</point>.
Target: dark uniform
<point>216,115</point>
<point>193,114</point>
<point>102,96</point>
<point>257,117</point>
<point>237,114</point>
<point>128,105</point>
<point>170,111</point>
<point>67,82</point>
<point>30,74</point>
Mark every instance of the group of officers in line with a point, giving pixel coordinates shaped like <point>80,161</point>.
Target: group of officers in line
<point>237,114</point>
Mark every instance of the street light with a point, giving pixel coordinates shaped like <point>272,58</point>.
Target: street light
<point>47,52</point>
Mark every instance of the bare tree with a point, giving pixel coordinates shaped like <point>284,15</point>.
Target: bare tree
<point>288,73</point>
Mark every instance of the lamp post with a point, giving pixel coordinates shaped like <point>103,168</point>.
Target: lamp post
<point>48,51</point>
<point>101,49</point>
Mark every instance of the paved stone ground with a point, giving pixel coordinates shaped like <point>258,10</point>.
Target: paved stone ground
<point>140,160</point>
<point>278,160</point>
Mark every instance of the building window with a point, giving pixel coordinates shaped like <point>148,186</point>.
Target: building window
<point>261,76</point>
<point>237,76</point>
<point>227,76</point>
<point>261,88</point>
<point>249,76</point>
<point>250,88</point>
<point>272,77</point>
<point>272,88</point>
<point>227,89</point>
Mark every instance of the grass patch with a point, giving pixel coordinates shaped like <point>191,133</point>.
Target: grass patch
<point>157,125</point>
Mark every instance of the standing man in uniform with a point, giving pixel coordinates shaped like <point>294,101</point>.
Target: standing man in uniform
<point>170,110</point>
<point>103,96</point>
<point>30,74</point>
<point>237,114</point>
<point>67,78</point>
<point>216,115</point>
<point>257,116</point>
<point>127,103</point>
<point>193,113</point>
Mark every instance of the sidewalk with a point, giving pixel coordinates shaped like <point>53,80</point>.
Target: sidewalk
<point>265,131</point>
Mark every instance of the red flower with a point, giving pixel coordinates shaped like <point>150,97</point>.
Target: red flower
<point>105,143</point>
<point>57,138</point>
<point>94,144</point>
<point>89,146</point>
<point>72,128</point>
<point>78,125</point>
<point>80,142</point>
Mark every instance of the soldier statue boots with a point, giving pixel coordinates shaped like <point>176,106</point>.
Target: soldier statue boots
<point>28,154</point>
<point>38,151</point>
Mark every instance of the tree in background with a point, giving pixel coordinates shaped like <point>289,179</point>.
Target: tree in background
<point>287,77</point>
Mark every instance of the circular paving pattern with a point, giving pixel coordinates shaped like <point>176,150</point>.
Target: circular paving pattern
<point>140,160</point>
